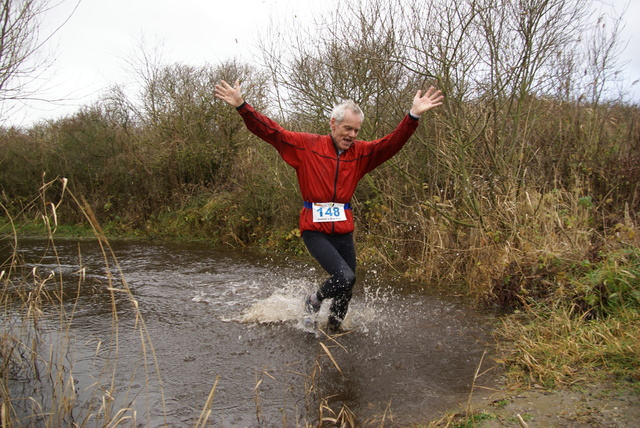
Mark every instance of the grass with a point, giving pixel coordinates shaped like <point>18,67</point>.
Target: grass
<point>572,317</point>
<point>588,332</point>
<point>556,347</point>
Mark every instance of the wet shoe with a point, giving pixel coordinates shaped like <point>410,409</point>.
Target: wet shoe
<point>312,304</point>
<point>311,308</point>
<point>337,329</point>
<point>310,325</point>
<point>335,326</point>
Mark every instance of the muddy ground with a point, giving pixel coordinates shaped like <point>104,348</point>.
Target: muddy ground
<point>577,407</point>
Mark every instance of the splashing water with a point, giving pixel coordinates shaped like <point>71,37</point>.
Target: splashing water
<point>283,305</point>
<point>374,310</point>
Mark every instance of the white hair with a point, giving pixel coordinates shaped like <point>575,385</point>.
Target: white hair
<point>340,109</point>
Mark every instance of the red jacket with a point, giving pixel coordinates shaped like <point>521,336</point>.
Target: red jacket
<point>323,175</point>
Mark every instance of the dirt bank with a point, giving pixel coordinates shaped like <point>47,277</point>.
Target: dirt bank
<point>577,407</point>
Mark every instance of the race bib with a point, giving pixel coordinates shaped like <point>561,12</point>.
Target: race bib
<point>328,211</point>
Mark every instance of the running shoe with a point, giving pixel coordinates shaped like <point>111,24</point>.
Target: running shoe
<point>310,310</point>
<point>335,326</point>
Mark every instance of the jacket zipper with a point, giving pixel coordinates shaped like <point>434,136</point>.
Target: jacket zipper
<point>335,189</point>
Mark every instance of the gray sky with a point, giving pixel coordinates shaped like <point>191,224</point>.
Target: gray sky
<point>94,46</point>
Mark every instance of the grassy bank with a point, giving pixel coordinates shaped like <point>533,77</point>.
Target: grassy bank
<point>570,355</point>
<point>588,331</point>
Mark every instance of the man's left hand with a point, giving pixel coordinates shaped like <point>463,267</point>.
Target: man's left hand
<point>422,103</point>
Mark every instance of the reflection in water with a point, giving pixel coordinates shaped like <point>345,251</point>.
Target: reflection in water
<point>235,316</point>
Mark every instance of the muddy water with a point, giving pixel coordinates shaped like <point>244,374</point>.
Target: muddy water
<point>235,317</point>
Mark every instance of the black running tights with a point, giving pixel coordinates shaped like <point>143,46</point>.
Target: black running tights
<point>337,255</point>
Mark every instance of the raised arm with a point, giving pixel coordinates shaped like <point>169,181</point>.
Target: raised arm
<point>423,103</point>
<point>231,95</point>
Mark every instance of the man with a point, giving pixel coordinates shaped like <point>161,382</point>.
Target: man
<point>328,168</point>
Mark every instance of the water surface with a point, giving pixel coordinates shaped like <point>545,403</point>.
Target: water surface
<point>233,317</point>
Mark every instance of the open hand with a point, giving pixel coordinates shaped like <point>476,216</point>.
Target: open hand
<point>423,103</point>
<point>231,95</point>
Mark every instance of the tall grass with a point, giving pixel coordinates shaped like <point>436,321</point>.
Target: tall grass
<point>586,330</point>
<point>560,347</point>
<point>39,350</point>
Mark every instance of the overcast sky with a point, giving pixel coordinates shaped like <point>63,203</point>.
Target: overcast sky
<point>92,48</point>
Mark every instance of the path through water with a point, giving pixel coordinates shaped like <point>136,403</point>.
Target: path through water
<point>235,317</point>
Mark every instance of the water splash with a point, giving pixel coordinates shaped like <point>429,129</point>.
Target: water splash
<point>368,313</point>
<point>281,306</point>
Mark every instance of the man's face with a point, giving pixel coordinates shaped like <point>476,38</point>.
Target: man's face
<point>345,132</point>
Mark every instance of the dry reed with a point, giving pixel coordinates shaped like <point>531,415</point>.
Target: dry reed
<point>38,346</point>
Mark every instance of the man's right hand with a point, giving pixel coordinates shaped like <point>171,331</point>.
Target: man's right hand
<point>231,95</point>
